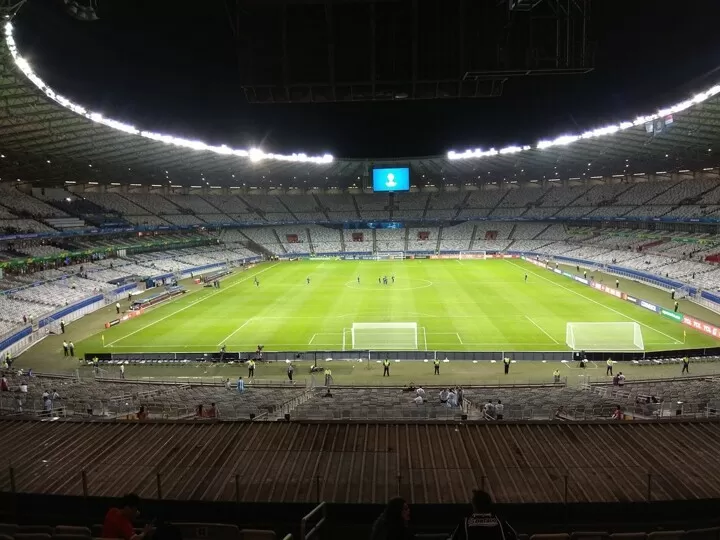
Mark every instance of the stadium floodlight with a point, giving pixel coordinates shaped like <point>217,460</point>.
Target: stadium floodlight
<point>254,154</point>
<point>379,336</point>
<point>604,336</point>
<point>565,140</point>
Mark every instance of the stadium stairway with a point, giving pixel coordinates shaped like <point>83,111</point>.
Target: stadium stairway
<point>541,232</point>
<point>322,208</point>
<point>280,242</point>
<point>473,237</point>
<point>310,242</point>
<point>511,236</point>
<point>407,238</point>
<point>254,246</point>
<point>427,205</point>
<point>288,209</point>
<point>357,210</point>
<point>439,240</point>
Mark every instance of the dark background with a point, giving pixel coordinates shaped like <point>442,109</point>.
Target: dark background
<point>171,66</point>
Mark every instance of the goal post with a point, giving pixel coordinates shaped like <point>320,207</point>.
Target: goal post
<point>478,254</point>
<point>604,336</point>
<point>389,255</point>
<point>385,336</point>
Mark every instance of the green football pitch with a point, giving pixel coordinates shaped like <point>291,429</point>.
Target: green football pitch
<point>458,305</point>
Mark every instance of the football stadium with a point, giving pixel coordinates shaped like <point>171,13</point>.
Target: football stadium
<point>358,269</point>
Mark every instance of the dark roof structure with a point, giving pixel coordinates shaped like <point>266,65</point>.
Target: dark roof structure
<point>367,462</point>
<point>44,141</point>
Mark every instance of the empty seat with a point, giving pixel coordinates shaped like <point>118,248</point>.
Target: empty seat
<point>32,536</point>
<point>8,529</point>
<point>558,536</point>
<point>628,536</point>
<point>666,535</point>
<point>71,529</point>
<point>712,533</point>
<point>253,534</point>
<point>41,529</point>
<point>208,531</point>
<point>591,535</point>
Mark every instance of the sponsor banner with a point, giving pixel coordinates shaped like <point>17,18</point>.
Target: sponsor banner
<point>671,315</point>
<point>605,289</point>
<point>701,326</point>
<point>568,274</point>
<point>631,299</point>
<point>557,271</point>
<point>581,280</point>
<point>648,305</point>
<point>112,323</point>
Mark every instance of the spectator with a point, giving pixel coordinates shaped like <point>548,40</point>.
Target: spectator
<point>483,523</point>
<point>23,387</point>
<point>118,521</point>
<point>142,414</point>
<point>212,411</point>
<point>394,522</point>
<point>621,379</point>
<point>556,376</point>
<point>418,400</point>
<point>228,384</point>
<point>4,386</point>
<point>617,413</point>
<point>452,398</point>
<point>199,412</point>
<point>489,410</point>
<point>421,393</point>
<point>499,409</point>
<point>444,395</point>
<point>240,385</point>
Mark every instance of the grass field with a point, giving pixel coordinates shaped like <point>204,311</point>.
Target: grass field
<point>459,305</point>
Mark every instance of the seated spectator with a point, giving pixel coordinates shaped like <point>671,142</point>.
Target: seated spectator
<point>489,410</point>
<point>444,395</point>
<point>499,410</point>
<point>199,412</point>
<point>421,392</point>
<point>212,412</point>
<point>142,414</point>
<point>618,413</point>
<point>394,522</point>
<point>452,399</point>
<point>621,379</point>
<point>418,400</point>
<point>23,387</point>
<point>4,386</point>
<point>483,523</point>
<point>118,521</point>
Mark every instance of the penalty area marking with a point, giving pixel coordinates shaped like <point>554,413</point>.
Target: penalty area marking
<point>323,334</point>
<point>190,305</point>
<point>589,365</point>
<point>543,330</point>
<point>243,325</point>
<point>677,341</point>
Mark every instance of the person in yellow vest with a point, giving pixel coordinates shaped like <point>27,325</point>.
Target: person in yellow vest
<point>251,369</point>
<point>386,367</point>
<point>328,376</point>
<point>608,370</point>
<point>556,376</point>
<point>506,361</point>
<point>686,366</point>
<point>436,363</point>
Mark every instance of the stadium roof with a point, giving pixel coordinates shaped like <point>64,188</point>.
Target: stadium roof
<point>44,140</point>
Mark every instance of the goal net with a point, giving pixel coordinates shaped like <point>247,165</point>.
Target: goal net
<point>604,336</point>
<point>480,254</point>
<point>385,336</point>
<point>386,255</point>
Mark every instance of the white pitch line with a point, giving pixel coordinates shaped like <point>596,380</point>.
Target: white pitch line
<point>190,305</point>
<point>243,325</point>
<point>542,330</point>
<point>598,303</point>
<point>311,339</point>
<point>459,338</point>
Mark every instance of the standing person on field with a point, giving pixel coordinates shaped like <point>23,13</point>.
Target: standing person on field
<point>117,308</point>
<point>251,369</point>
<point>62,326</point>
<point>506,361</point>
<point>240,385</point>
<point>686,366</point>
<point>436,364</point>
<point>386,367</point>
<point>608,370</point>
<point>122,371</point>
<point>556,376</point>
<point>617,283</point>
<point>66,351</point>
<point>71,347</point>
<point>290,371</point>
<point>483,524</point>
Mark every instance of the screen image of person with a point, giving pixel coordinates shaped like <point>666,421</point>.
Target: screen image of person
<point>395,179</point>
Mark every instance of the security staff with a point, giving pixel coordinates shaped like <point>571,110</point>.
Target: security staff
<point>506,361</point>
<point>386,367</point>
<point>436,363</point>
<point>251,369</point>
<point>328,376</point>
<point>686,366</point>
<point>609,363</point>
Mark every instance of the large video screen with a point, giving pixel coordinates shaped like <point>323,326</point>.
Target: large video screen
<point>391,179</point>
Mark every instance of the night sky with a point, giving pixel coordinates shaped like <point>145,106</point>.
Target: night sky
<point>170,67</point>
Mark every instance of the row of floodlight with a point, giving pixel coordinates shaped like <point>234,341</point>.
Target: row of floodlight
<point>256,155</point>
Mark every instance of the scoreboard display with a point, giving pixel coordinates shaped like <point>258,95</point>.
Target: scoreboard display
<point>391,179</point>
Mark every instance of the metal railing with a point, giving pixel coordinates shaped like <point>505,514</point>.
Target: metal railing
<point>304,533</point>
